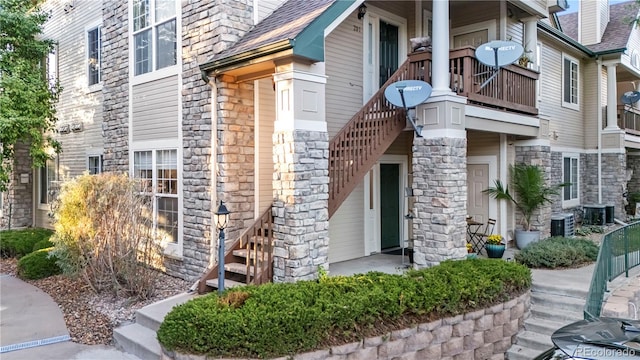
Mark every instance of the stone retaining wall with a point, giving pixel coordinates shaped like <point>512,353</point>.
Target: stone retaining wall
<point>482,334</point>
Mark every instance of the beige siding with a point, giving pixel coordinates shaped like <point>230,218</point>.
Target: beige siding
<point>632,44</point>
<point>402,145</point>
<point>566,122</point>
<point>590,107</point>
<point>588,33</point>
<point>266,7</point>
<point>264,144</point>
<point>42,219</point>
<point>343,57</point>
<point>464,14</point>
<point>155,110</point>
<point>604,16</point>
<point>515,31</point>
<point>346,228</point>
<point>482,143</point>
<point>78,103</point>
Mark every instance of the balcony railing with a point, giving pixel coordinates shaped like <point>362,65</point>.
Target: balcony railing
<point>629,119</point>
<point>513,89</point>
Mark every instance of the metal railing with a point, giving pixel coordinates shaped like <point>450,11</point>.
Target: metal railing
<point>619,252</point>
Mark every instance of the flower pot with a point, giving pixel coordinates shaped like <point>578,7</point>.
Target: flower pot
<point>524,238</point>
<point>495,251</point>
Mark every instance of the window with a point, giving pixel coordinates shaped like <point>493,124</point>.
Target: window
<point>570,173</point>
<point>157,172</point>
<point>94,164</point>
<point>47,178</point>
<point>427,23</point>
<point>94,55</point>
<point>154,35</point>
<point>52,67</point>
<point>570,82</point>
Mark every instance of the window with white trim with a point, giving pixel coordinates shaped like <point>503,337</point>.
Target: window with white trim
<point>570,176</point>
<point>154,35</point>
<point>570,82</point>
<point>94,55</point>
<point>94,164</point>
<point>46,181</point>
<point>52,67</point>
<point>157,171</point>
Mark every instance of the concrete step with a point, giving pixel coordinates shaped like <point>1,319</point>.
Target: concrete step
<point>558,302</point>
<point>151,316</point>
<point>533,340</point>
<point>548,313</point>
<point>517,352</point>
<point>213,283</point>
<point>543,326</point>
<point>138,340</point>
<point>564,289</point>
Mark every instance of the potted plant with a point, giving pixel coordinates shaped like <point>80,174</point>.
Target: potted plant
<point>530,193</point>
<point>494,246</point>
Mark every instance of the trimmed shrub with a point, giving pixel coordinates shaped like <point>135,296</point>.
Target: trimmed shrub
<point>18,243</point>
<point>37,265</point>
<point>42,244</point>
<point>104,234</point>
<point>558,252</point>
<point>282,319</point>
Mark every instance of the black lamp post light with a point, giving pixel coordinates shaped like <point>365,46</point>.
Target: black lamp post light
<point>222,219</point>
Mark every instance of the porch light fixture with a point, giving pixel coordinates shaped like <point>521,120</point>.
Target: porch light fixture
<point>362,10</point>
<point>221,218</point>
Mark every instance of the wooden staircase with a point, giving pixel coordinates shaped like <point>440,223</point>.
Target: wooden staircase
<point>352,153</point>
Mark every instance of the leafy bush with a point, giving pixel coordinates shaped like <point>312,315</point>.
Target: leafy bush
<point>282,319</point>
<point>103,234</point>
<point>558,252</point>
<point>589,229</point>
<point>38,264</point>
<point>18,243</point>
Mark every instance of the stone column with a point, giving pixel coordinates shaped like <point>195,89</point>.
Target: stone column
<point>537,152</point>
<point>440,48</point>
<point>612,98</point>
<point>301,174</point>
<point>17,204</point>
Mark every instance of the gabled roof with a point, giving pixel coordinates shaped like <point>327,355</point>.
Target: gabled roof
<point>297,25</point>
<point>616,34</point>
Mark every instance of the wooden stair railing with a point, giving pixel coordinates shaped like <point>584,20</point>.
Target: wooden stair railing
<point>361,142</point>
<point>249,259</point>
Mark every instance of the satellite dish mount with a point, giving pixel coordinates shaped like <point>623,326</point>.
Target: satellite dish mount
<point>497,53</point>
<point>408,94</point>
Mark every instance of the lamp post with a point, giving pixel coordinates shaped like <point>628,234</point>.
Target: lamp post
<point>222,218</point>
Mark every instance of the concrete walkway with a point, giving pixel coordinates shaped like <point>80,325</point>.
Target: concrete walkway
<point>32,327</point>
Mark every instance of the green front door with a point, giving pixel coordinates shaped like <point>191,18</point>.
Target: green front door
<point>388,51</point>
<point>389,206</point>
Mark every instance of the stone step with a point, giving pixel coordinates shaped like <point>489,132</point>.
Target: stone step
<point>213,283</point>
<point>544,326</point>
<point>151,316</point>
<point>518,352</point>
<point>533,340</point>
<point>548,313</point>
<point>559,302</point>
<point>138,340</point>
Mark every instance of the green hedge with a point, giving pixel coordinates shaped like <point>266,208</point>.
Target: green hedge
<point>558,252</point>
<point>18,243</point>
<point>283,319</point>
<point>37,265</point>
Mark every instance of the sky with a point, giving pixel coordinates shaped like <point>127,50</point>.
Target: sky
<point>573,5</point>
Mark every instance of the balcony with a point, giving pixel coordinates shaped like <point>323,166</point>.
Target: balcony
<point>629,119</point>
<point>513,89</point>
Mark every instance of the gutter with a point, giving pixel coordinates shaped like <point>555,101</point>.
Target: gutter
<point>246,56</point>
<point>565,38</point>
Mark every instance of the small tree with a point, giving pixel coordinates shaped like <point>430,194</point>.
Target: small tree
<point>27,95</point>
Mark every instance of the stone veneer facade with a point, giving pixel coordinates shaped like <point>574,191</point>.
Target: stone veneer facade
<point>440,196</point>
<point>17,201</point>
<point>614,180</point>
<point>537,155</point>
<point>301,207</point>
<point>482,334</point>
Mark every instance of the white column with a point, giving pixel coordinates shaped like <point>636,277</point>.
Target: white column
<point>531,39</point>
<point>612,98</point>
<point>440,48</point>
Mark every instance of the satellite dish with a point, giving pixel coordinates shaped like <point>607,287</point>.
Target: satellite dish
<point>630,97</point>
<point>498,53</point>
<point>415,92</point>
<point>408,94</point>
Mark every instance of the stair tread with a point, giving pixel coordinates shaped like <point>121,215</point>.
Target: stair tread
<point>517,352</point>
<point>243,253</point>
<point>138,340</point>
<point>551,324</point>
<point>238,268</point>
<point>227,283</point>
<point>157,311</point>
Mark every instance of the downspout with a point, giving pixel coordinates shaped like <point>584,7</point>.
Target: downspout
<point>599,117</point>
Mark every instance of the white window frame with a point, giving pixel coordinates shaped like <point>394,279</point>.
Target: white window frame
<point>154,74</point>
<point>426,17</point>
<point>172,249</point>
<point>52,69</point>
<point>100,163</point>
<point>572,202</point>
<point>571,105</point>
<point>92,27</point>
<point>52,163</point>
<point>539,65</point>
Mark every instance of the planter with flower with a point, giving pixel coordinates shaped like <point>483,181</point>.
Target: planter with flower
<point>494,246</point>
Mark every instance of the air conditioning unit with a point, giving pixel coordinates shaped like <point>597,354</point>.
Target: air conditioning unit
<point>563,225</point>
<point>557,5</point>
<point>594,215</point>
